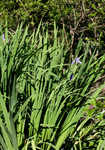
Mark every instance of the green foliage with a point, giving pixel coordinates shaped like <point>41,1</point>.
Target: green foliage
<point>40,107</point>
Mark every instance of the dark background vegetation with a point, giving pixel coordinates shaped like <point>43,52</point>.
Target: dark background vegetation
<point>79,17</point>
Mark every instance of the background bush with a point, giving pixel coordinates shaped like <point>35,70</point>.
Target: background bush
<point>79,17</point>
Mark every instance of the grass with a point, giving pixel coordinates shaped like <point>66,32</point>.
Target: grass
<point>40,107</point>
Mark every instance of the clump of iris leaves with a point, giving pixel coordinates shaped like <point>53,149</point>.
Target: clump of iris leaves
<point>47,102</point>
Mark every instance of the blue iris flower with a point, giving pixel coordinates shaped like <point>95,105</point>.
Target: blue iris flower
<point>75,61</point>
<point>71,76</point>
<point>3,37</point>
